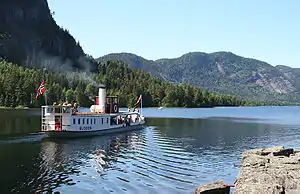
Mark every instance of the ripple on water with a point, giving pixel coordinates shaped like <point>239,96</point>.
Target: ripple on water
<point>148,161</point>
<point>174,157</point>
<point>136,162</point>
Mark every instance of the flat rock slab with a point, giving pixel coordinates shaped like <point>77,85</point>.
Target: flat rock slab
<point>217,187</point>
<point>269,170</point>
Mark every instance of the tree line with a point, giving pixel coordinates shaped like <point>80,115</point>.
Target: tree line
<point>18,87</point>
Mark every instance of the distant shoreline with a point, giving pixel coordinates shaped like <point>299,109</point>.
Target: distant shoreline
<point>160,108</point>
<point>16,108</point>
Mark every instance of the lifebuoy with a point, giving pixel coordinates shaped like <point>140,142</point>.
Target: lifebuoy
<point>115,108</point>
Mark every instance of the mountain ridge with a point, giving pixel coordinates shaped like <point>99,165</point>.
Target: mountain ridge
<point>170,58</point>
<point>223,72</point>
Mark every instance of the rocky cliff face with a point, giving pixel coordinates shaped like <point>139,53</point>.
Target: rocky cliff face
<point>30,36</point>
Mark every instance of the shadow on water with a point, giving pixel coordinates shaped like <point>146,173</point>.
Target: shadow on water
<point>19,122</point>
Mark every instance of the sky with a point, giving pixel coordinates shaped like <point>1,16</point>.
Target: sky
<point>267,30</point>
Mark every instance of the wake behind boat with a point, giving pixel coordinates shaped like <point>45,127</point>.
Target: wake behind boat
<point>102,118</point>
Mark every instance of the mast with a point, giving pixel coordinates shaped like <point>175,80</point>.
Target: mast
<point>45,98</point>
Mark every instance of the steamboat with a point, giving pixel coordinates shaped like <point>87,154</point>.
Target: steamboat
<point>101,118</point>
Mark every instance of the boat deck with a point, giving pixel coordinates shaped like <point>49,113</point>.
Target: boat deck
<point>88,113</point>
<point>102,113</point>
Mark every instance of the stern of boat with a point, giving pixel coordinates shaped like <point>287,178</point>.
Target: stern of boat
<point>55,118</point>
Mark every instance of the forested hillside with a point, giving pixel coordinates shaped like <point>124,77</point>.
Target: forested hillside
<point>18,87</point>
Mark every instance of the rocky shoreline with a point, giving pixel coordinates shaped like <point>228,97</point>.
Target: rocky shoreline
<point>264,170</point>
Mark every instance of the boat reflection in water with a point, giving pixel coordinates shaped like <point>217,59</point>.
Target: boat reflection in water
<point>81,162</point>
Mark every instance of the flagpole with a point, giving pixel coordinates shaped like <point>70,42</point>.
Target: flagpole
<point>141,103</point>
<point>45,98</point>
<point>45,93</point>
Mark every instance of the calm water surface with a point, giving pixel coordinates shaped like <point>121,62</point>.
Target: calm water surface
<point>177,151</point>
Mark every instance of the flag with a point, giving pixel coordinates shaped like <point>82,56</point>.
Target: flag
<point>40,90</point>
<point>140,98</point>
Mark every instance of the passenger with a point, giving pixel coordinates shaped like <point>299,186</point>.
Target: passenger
<point>119,119</point>
<point>131,119</point>
<point>74,108</point>
<point>128,120</point>
<point>136,110</point>
<point>64,108</point>
<point>128,110</point>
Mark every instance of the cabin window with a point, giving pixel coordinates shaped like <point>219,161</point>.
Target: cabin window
<point>94,121</point>
<point>50,110</point>
<point>78,121</point>
<point>113,121</point>
<point>57,110</point>
<point>87,121</point>
<point>73,121</point>
<point>106,120</point>
<point>83,121</point>
<point>102,120</point>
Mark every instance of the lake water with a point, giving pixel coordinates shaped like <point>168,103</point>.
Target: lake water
<point>178,150</point>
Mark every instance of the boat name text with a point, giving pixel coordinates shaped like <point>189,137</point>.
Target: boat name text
<point>85,128</point>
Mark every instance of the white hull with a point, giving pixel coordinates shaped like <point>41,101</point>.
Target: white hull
<point>73,134</point>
